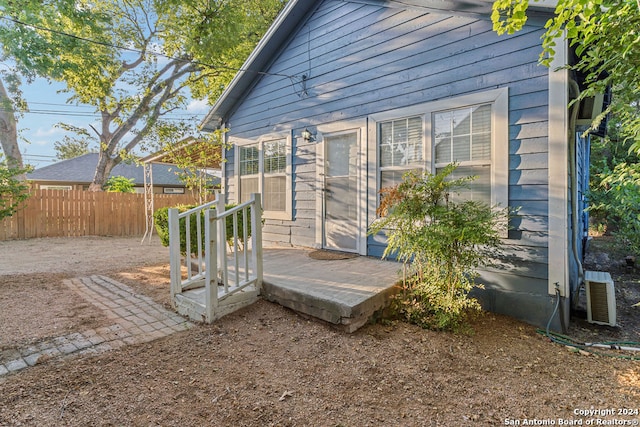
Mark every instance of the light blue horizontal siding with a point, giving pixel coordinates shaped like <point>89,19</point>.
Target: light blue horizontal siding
<point>362,59</point>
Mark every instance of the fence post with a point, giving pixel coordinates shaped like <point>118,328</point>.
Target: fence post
<point>211,270</point>
<point>174,254</point>
<point>256,237</point>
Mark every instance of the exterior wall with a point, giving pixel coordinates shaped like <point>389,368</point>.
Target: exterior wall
<point>358,60</point>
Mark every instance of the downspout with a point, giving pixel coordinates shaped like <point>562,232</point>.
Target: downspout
<point>574,92</point>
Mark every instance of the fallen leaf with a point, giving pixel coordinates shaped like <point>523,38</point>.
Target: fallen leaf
<point>285,395</point>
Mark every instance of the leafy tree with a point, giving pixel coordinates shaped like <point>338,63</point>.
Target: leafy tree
<point>605,36</point>
<point>443,242</point>
<point>607,155</point>
<point>13,189</point>
<point>134,61</point>
<point>119,184</point>
<point>614,196</point>
<point>622,194</point>
<point>72,147</point>
<point>196,159</point>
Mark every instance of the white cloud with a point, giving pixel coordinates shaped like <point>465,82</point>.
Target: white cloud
<point>48,132</point>
<point>200,106</point>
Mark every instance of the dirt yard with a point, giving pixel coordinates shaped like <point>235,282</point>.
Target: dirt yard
<point>267,366</point>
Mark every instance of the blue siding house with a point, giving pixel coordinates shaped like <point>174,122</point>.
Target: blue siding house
<point>342,97</point>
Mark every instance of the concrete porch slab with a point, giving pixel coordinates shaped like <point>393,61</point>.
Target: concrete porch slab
<point>345,292</point>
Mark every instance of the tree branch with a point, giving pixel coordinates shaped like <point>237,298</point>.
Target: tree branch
<point>145,104</point>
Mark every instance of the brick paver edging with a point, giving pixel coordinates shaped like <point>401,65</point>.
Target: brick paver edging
<point>136,319</point>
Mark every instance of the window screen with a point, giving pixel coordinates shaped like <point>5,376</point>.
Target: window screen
<point>274,192</point>
<point>401,148</point>
<point>464,136</point>
<point>262,169</point>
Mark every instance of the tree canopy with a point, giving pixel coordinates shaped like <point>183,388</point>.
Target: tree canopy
<point>606,38</point>
<point>134,61</point>
<point>71,147</point>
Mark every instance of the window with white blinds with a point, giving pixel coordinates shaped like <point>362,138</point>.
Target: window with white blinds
<point>262,168</point>
<point>401,148</point>
<point>275,179</point>
<point>249,168</point>
<point>463,136</point>
<point>471,130</point>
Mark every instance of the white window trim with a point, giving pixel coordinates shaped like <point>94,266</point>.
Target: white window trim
<point>55,187</point>
<point>239,143</point>
<point>499,98</point>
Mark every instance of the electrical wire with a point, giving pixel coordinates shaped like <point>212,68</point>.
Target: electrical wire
<point>69,113</point>
<point>140,52</point>
<point>96,116</point>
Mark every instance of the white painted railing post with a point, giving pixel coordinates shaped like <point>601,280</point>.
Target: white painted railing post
<point>211,271</point>
<point>174,253</point>
<point>222,241</point>
<point>256,238</point>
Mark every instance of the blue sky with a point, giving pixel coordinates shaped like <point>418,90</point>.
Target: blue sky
<point>49,107</point>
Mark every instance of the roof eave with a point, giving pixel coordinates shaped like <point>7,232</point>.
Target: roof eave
<point>285,23</point>
<point>283,26</point>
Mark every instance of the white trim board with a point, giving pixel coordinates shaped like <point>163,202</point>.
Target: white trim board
<point>558,172</point>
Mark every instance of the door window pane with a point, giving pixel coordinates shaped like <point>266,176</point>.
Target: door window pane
<point>341,158</point>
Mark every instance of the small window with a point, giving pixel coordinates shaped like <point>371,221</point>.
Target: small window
<point>275,178</point>
<point>55,187</point>
<point>171,190</point>
<point>263,168</point>
<point>249,171</point>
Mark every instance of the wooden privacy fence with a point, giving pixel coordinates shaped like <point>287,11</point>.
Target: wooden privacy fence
<point>74,213</point>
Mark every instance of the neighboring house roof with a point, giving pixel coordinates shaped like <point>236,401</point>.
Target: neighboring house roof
<point>82,169</point>
<point>294,15</point>
<point>189,148</point>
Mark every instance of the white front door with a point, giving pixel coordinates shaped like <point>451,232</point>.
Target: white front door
<point>340,191</point>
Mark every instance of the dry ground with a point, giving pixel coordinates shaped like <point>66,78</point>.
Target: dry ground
<point>267,366</point>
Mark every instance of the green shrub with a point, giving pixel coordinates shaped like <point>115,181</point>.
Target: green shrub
<point>614,194</point>
<point>161,221</point>
<point>441,242</point>
<point>13,190</point>
<point>622,190</point>
<point>120,184</point>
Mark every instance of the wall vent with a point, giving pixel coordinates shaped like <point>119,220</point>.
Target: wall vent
<point>601,298</point>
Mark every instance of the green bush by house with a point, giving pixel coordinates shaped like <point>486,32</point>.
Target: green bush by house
<point>161,221</point>
<point>442,243</point>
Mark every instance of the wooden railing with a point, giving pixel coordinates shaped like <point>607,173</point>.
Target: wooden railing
<point>223,265</point>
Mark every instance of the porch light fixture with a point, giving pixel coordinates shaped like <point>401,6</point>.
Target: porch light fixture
<point>307,135</point>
